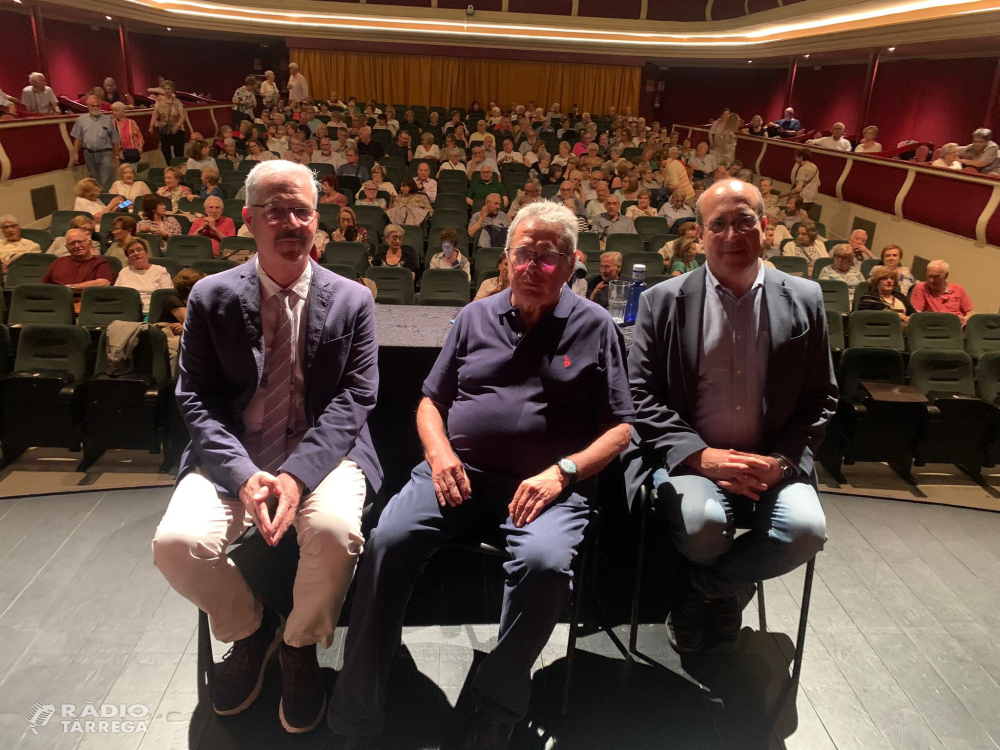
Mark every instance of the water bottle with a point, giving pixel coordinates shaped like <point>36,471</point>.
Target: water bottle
<point>638,287</point>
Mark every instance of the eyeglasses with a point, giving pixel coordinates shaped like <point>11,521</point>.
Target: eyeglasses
<point>546,260</point>
<point>742,225</point>
<point>275,214</point>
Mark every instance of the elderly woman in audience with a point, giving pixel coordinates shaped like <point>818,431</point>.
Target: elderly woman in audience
<point>269,90</point>
<point>495,284</point>
<point>210,179</point>
<point>868,144</point>
<point>843,269</point>
<point>155,220</point>
<point>381,181</point>
<point>173,188</point>
<point>395,254</point>
<point>411,206</point>
<point>948,158</point>
<point>58,247</point>
<point>564,153</point>
<point>129,134</point>
<point>127,186</point>
<point>122,230</point>
<point>883,295</point>
<point>200,158</point>
<point>347,228</point>
<point>682,259</point>
<point>629,191</point>
<point>175,306</point>
<point>755,127</point>
<point>892,257</point>
<point>792,213</point>
<point>329,195</point>
<point>140,274</point>
<point>453,161</point>
<point>368,196</point>
<point>642,206</point>
<point>87,191</point>
<point>670,249</point>
<point>807,245</point>
<point>427,149</point>
<point>256,152</point>
<point>13,245</point>
<point>450,256</point>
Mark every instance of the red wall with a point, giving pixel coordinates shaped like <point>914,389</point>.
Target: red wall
<point>17,52</point>
<point>831,93</point>
<point>80,58</point>
<point>697,95</point>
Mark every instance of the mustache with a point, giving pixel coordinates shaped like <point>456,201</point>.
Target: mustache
<point>291,234</point>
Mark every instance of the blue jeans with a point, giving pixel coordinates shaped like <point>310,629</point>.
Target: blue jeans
<point>101,165</point>
<point>787,527</point>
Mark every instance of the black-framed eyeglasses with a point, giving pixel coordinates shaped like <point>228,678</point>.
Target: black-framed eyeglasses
<point>276,214</point>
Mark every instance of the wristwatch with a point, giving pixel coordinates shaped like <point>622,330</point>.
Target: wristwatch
<point>568,468</point>
<point>787,470</point>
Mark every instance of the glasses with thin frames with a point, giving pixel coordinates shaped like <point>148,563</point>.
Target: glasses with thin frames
<point>545,259</point>
<point>742,225</point>
<point>275,214</point>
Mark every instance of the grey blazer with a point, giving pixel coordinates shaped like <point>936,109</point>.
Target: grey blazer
<point>800,394</point>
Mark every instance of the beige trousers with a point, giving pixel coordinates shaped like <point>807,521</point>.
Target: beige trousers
<point>190,545</point>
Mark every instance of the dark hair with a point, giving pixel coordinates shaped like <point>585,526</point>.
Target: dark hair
<point>410,183</point>
<point>184,281</point>
<point>798,201</point>
<point>802,153</point>
<point>125,222</point>
<point>149,204</point>
<point>448,235</point>
<point>332,181</point>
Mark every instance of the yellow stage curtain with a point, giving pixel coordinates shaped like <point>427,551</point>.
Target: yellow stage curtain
<point>453,81</point>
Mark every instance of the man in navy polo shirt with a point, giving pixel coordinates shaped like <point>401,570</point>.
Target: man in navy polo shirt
<point>528,400</point>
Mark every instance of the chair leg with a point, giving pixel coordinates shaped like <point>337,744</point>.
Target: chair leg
<point>575,615</point>
<point>206,663</point>
<point>760,607</point>
<point>637,587</point>
<point>803,619</point>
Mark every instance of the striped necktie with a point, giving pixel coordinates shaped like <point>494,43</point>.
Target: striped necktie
<point>274,428</point>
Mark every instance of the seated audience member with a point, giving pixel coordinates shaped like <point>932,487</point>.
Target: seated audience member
<point>277,140</point>
<point>401,148</point>
<point>326,154</point>
<point>786,127</point>
<point>868,144</point>
<point>805,179</point>
<point>883,295</point>
<point>857,242</point>
<point>569,191</point>
<point>450,256</point>
<point>675,209</point>
<point>214,225</point>
<point>173,188</point>
<point>140,274</point>
<point>597,287</point>
<point>127,186</point>
<point>982,153</point>
<point>948,157</point>
<point>453,161</point>
<point>330,195</point>
<point>806,245</point>
<point>496,284</point>
<point>81,268</point>
<point>352,168</point>
<point>425,183</point>
<point>410,206</point>
<point>175,306</point>
<point>755,127</point>
<point>396,253</point>
<point>937,295</point>
<point>367,196</point>
<point>892,257</point>
<point>669,250</point>
<point>768,247</point>
<point>642,206</point>
<point>589,188</point>
<point>122,230</point>
<point>582,224</point>
<point>562,157</point>
<point>255,152</point>
<point>38,97</point>
<point>298,152</point>
<point>492,221</point>
<point>229,152</point>
<point>508,155</point>
<point>58,246</point>
<point>843,269</point>
<point>611,221</point>
<point>365,145</point>
<point>210,179</point>
<point>488,183</point>
<point>348,230</point>
<point>532,193</point>
<point>713,471</point>
<point>772,202</point>
<point>703,163</point>
<point>737,170</point>
<point>835,140</point>
<point>13,245</point>
<point>793,214</point>
<point>87,191</point>
<point>155,220</point>
<point>478,161</point>
<point>682,260</point>
<point>427,149</point>
<point>381,181</point>
<point>200,158</point>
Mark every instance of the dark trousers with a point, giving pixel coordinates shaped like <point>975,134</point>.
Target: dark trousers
<point>172,143</point>
<point>538,584</point>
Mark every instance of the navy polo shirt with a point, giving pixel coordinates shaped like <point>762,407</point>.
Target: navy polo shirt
<point>520,400</point>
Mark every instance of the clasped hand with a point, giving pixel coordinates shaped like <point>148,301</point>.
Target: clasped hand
<point>746,474</point>
<point>272,502</point>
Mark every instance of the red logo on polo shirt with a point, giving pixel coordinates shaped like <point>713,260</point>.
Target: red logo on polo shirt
<point>566,362</point>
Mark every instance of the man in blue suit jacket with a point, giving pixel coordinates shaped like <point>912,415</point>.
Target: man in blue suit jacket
<point>278,373</point>
<point>733,386</point>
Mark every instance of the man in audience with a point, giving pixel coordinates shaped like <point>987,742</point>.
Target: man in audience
<point>272,446</point>
<point>835,140</point>
<point>857,242</point>
<point>367,146</point>
<point>528,142</point>
<point>937,295</point>
<point>583,146</point>
<point>612,221</point>
<point>510,441</point>
<point>503,131</point>
<point>982,153</point>
<point>352,168</point>
<point>214,225</point>
<point>298,153</point>
<point>480,134</point>
<point>675,209</point>
<point>532,193</point>
<point>401,147</point>
<point>13,245</point>
<point>326,154</point>
<point>597,287</point>
<point>733,384</point>
<point>487,183</point>
<point>427,184</point>
<point>38,97</point>
<point>478,161</point>
<point>81,268</point>
<point>298,86</point>
<point>589,188</point>
<point>97,135</point>
<point>786,127</point>
<point>492,221</point>
<point>595,207</point>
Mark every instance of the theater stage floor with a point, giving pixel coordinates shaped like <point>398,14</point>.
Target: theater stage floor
<point>903,649</point>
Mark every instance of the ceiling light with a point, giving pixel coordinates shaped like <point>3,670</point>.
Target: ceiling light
<point>169,29</point>
<point>749,61</point>
<point>807,57</point>
<point>892,49</point>
<point>108,17</point>
<point>17,1</point>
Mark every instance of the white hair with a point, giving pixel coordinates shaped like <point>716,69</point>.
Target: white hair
<point>118,107</point>
<point>9,219</point>
<point>35,76</point>
<point>553,214</point>
<point>274,168</point>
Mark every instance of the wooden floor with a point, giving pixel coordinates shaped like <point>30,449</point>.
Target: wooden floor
<point>903,647</point>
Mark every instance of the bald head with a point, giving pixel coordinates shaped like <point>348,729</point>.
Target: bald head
<point>729,189</point>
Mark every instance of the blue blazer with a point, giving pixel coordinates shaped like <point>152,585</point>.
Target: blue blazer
<point>222,361</point>
<point>800,394</point>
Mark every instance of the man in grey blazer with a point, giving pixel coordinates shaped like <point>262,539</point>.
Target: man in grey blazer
<point>278,373</point>
<point>733,386</point>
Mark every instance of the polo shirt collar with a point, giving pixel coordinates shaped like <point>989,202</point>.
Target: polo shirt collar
<point>713,283</point>
<point>269,287</point>
<point>505,310</point>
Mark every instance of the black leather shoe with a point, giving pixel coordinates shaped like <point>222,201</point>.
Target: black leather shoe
<point>686,623</point>
<point>488,733</point>
<point>303,702</point>
<point>725,618</point>
<point>239,677</point>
